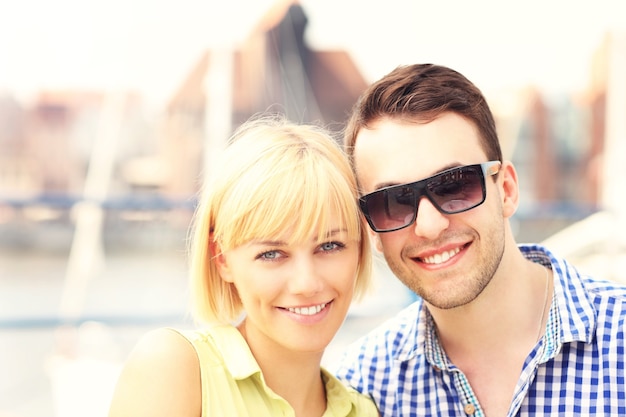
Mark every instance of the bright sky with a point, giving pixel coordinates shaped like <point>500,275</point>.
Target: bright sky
<point>149,45</point>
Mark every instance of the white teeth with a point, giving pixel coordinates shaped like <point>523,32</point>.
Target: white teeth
<point>441,257</point>
<point>307,311</point>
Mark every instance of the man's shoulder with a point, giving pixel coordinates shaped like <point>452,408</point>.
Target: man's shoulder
<point>605,294</point>
<point>378,351</point>
<point>571,274</point>
<point>396,334</point>
<point>586,303</point>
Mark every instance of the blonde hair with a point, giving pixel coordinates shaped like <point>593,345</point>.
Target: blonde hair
<point>273,177</point>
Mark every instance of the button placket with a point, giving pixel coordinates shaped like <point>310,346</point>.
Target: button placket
<point>469,409</point>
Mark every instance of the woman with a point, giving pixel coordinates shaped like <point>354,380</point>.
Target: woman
<point>278,253</point>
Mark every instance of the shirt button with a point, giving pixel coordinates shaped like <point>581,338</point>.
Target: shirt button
<point>469,409</point>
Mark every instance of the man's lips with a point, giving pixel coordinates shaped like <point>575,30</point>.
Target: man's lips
<point>440,256</point>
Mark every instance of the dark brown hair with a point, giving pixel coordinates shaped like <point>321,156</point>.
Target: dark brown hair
<point>421,93</point>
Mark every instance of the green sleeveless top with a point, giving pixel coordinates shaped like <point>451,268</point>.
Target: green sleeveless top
<point>233,385</point>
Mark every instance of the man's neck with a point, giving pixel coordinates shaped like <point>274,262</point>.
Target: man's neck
<point>490,338</point>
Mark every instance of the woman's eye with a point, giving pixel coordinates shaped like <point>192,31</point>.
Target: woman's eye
<point>328,246</point>
<point>269,255</point>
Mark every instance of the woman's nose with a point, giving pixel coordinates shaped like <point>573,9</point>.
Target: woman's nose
<point>305,278</point>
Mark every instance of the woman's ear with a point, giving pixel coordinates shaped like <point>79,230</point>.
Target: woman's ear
<point>510,189</point>
<point>218,257</point>
<point>375,239</point>
<point>372,236</point>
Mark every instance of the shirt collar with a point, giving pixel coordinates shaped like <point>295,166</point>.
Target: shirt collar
<point>339,398</point>
<point>238,358</point>
<point>572,315</point>
<point>241,364</point>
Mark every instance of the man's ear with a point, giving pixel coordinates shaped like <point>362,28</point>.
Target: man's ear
<point>218,257</point>
<point>510,189</point>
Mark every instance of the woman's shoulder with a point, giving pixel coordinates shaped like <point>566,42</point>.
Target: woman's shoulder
<point>160,377</point>
<point>166,349</point>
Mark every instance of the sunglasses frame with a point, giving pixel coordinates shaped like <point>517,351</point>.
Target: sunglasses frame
<point>488,169</point>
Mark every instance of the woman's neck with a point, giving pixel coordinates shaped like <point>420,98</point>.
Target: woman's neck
<point>295,376</point>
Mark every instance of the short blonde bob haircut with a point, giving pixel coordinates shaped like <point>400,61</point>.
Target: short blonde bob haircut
<point>274,177</point>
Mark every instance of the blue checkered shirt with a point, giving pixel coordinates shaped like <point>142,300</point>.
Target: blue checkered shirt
<point>576,369</point>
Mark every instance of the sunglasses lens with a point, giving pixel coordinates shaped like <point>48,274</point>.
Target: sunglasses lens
<point>391,209</point>
<point>452,191</point>
<point>457,190</point>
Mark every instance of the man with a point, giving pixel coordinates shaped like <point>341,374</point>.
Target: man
<point>499,328</point>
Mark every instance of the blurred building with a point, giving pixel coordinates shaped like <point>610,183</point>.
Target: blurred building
<point>273,70</point>
<point>48,147</point>
<point>558,147</point>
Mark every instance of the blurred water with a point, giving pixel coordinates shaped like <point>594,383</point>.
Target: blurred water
<point>56,369</point>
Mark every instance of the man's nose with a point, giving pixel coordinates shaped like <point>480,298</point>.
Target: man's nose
<point>429,222</point>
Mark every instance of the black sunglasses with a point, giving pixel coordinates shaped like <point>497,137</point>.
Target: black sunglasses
<point>451,191</point>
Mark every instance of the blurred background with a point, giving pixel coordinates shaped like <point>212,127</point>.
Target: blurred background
<point>111,113</point>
